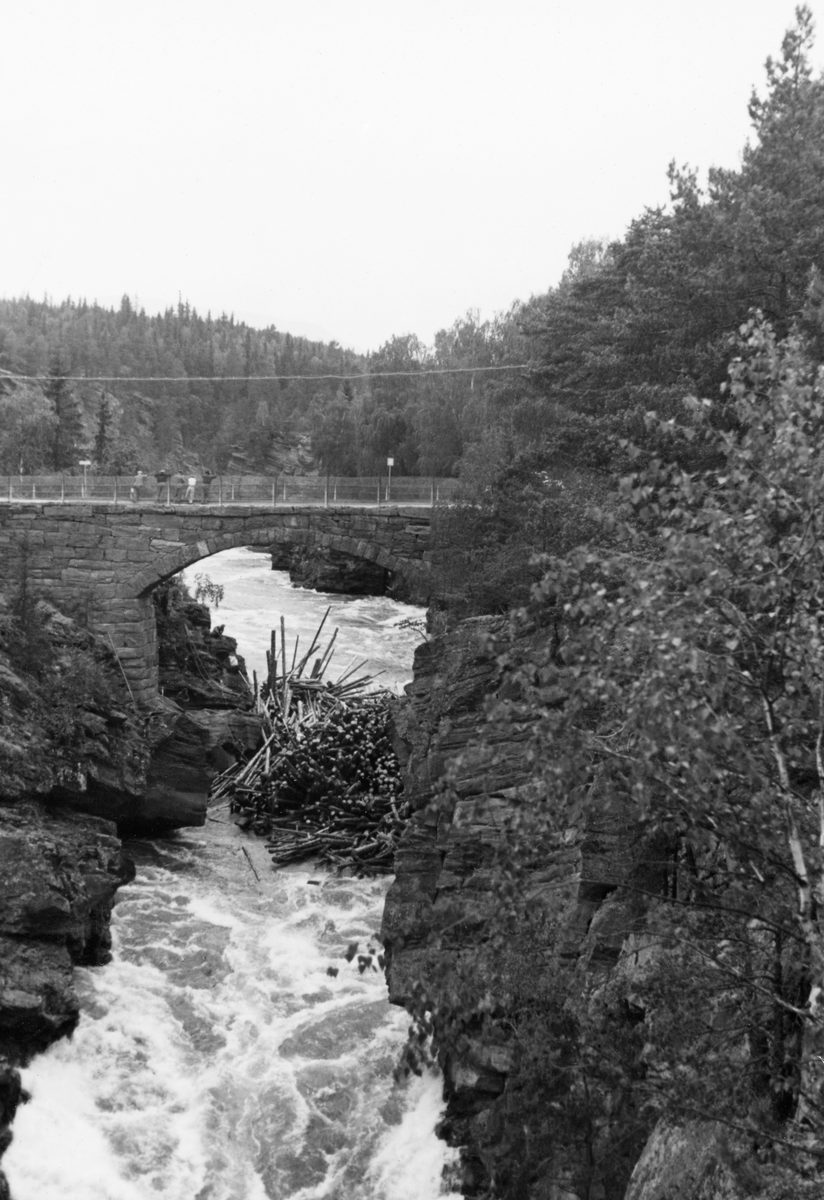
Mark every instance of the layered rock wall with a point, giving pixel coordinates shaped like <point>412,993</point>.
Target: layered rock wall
<point>442,895</point>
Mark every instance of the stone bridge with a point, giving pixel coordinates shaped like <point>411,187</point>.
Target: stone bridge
<point>107,559</point>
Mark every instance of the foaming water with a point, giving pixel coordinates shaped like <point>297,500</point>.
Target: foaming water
<point>216,1057</point>
<point>256,597</point>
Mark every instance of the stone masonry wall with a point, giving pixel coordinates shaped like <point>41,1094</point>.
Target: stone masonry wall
<point>105,559</point>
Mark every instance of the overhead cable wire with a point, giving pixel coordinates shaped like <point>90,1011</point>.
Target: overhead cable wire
<point>263,378</point>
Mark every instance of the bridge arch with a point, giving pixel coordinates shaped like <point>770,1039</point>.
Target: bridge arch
<point>131,622</point>
<point>117,554</point>
<point>175,560</point>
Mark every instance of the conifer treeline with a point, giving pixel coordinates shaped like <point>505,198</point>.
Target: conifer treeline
<point>160,424</point>
<point>351,426</point>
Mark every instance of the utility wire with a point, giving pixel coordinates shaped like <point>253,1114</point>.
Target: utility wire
<point>262,378</point>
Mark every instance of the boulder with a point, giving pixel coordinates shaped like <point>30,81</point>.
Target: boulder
<point>195,747</point>
<point>695,1161</point>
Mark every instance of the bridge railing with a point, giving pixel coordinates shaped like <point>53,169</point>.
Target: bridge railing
<point>228,489</point>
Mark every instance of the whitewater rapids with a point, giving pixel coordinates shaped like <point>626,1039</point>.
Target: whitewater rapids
<point>230,1051</point>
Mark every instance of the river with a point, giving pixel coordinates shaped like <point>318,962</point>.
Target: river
<point>230,1051</point>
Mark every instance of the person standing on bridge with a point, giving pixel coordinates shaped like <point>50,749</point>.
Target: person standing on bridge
<point>178,484</point>
<point>135,490</point>
<point>191,484</point>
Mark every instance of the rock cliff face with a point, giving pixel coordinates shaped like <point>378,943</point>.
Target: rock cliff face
<point>694,1161</point>
<point>441,852</point>
<point>444,859</point>
<point>69,732</point>
<point>203,722</point>
<point>283,456</point>
<point>66,725</point>
<point>441,897</point>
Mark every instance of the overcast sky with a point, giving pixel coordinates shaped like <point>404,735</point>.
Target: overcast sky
<point>353,169</point>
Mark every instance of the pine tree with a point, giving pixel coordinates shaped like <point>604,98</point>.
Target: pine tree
<point>103,437</point>
<point>69,430</point>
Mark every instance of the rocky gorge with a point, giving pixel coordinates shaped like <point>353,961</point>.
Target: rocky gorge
<point>80,762</point>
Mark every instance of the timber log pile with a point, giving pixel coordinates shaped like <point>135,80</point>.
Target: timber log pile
<point>325,783</point>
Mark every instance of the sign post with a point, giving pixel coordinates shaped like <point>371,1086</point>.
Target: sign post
<point>390,462</point>
<point>84,463</point>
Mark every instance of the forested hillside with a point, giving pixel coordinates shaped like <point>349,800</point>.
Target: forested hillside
<point>348,411</point>
<point>124,425</point>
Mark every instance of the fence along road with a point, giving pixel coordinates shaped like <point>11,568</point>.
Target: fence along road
<point>224,490</point>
